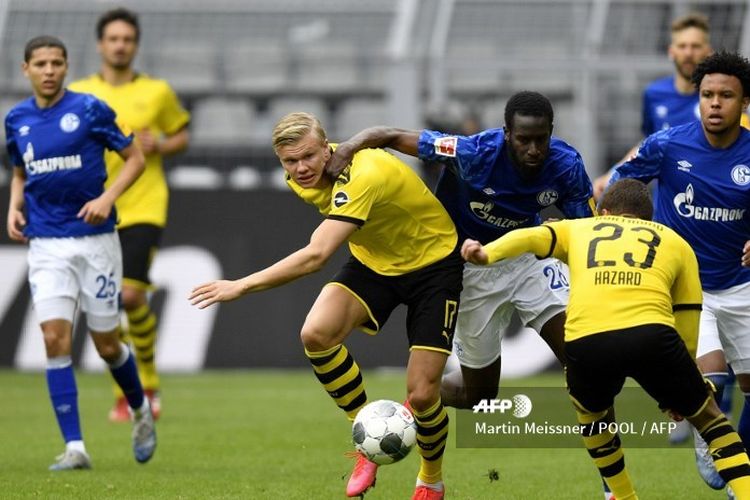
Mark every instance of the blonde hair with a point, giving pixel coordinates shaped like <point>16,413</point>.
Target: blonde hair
<point>294,127</point>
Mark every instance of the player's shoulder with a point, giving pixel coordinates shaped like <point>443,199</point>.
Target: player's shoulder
<point>151,83</point>
<point>660,85</point>
<point>86,84</point>
<point>85,100</point>
<point>374,164</point>
<point>19,109</point>
<point>563,155</point>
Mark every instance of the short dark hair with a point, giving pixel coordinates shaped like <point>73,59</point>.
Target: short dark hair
<point>628,196</point>
<point>39,42</point>
<point>118,14</point>
<point>725,63</point>
<point>691,20</point>
<point>528,103</point>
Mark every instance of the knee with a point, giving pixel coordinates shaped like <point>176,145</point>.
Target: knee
<point>56,343</point>
<point>423,397</point>
<point>315,338</point>
<point>109,351</point>
<point>132,298</point>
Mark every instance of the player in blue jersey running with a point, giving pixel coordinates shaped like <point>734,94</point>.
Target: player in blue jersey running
<point>494,182</point>
<point>56,141</point>
<point>672,100</point>
<point>703,177</point>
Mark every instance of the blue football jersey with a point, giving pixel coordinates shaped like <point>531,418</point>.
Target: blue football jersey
<point>664,107</point>
<point>61,149</point>
<point>703,194</point>
<point>483,192</point>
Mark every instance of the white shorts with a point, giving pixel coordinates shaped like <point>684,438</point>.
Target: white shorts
<point>537,289</point>
<point>86,268</point>
<point>725,325</point>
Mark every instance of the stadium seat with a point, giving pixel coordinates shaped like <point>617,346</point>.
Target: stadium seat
<point>256,66</point>
<point>188,65</point>
<point>219,121</point>
<point>358,113</point>
<point>326,67</point>
<point>281,106</point>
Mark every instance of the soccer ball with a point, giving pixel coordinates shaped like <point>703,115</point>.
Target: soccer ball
<point>384,432</point>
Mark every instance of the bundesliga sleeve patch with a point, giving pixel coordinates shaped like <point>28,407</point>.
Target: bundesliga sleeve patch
<point>340,199</point>
<point>446,146</point>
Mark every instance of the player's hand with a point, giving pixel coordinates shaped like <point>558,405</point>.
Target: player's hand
<point>16,223</point>
<point>147,141</point>
<point>96,211</point>
<point>339,160</point>
<point>473,251</point>
<point>215,291</point>
<point>746,254</point>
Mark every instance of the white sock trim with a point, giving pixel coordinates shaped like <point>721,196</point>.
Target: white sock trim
<point>124,355</point>
<point>433,486</point>
<point>59,362</point>
<point>75,446</point>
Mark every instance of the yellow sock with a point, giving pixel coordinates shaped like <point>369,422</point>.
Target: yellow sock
<point>142,333</point>
<point>432,432</point>
<point>341,378</point>
<point>605,450</point>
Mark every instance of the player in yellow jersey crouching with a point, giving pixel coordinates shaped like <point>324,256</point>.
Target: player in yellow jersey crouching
<point>635,299</point>
<point>404,251</point>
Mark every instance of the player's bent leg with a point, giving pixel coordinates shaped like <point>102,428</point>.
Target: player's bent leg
<point>464,388</point>
<point>729,455</point>
<point>142,332</point>
<point>714,368</point>
<point>605,450</point>
<point>743,426</point>
<point>423,376</point>
<point>104,333</point>
<point>335,313</point>
<point>553,333</point>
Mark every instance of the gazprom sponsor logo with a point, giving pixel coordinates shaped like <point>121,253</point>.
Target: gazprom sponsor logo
<point>47,165</point>
<point>683,204</point>
<point>483,211</point>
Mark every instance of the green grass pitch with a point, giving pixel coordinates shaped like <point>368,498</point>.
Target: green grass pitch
<point>276,435</point>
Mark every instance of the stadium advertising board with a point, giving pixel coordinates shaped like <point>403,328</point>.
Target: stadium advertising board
<point>226,233</point>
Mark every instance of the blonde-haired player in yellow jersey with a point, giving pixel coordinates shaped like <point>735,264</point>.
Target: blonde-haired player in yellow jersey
<point>404,251</point>
<point>635,299</point>
<point>151,109</point>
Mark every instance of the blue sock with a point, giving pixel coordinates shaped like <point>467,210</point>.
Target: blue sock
<point>63,392</point>
<point>743,426</point>
<point>726,401</point>
<point>719,380</point>
<point>125,374</point>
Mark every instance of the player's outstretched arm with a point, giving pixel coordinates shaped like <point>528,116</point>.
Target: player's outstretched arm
<point>97,210</point>
<point>473,251</point>
<point>402,140</point>
<point>325,240</point>
<point>16,219</point>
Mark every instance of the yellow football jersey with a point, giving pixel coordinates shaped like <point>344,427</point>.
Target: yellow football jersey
<point>144,103</point>
<point>624,271</point>
<point>403,227</point>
